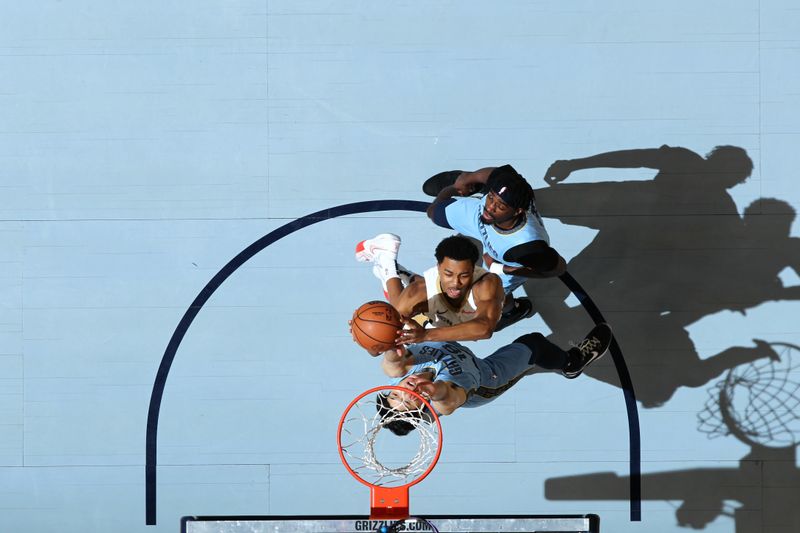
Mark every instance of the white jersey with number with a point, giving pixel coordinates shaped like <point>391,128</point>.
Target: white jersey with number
<point>441,313</point>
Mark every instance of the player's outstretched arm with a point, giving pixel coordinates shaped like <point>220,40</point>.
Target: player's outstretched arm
<point>465,185</point>
<point>647,158</point>
<point>397,362</point>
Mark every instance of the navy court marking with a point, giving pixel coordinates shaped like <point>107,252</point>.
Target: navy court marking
<point>151,439</point>
<point>634,443</point>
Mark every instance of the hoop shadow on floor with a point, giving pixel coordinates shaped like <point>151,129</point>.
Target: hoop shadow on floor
<point>668,252</point>
<point>757,403</point>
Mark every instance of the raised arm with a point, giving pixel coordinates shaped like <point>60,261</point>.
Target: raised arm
<point>397,362</point>
<point>488,295</point>
<point>466,184</point>
<point>641,158</point>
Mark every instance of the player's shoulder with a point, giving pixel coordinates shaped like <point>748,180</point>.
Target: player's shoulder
<point>489,279</point>
<point>488,285</point>
<point>465,202</point>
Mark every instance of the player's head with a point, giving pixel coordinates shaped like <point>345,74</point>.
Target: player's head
<point>729,165</point>
<point>456,257</point>
<point>769,217</point>
<point>387,406</point>
<point>508,196</point>
<point>457,248</point>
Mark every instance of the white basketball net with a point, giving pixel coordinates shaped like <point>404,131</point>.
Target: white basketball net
<point>360,431</point>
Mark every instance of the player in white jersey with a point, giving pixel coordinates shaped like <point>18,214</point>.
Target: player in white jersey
<point>459,300</point>
<point>450,376</point>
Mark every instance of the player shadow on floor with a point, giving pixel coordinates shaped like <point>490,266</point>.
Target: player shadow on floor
<point>756,404</point>
<point>668,252</point>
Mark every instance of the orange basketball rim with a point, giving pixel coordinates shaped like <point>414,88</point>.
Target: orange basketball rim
<point>363,421</point>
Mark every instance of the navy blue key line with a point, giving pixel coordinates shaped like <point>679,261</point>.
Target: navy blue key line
<point>151,439</point>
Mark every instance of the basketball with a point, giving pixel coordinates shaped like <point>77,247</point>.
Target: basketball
<point>375,325</point>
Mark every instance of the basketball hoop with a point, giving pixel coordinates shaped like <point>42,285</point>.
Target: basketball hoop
<point>389,478</point>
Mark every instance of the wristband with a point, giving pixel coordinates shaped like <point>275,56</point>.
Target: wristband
<point>497,268</point>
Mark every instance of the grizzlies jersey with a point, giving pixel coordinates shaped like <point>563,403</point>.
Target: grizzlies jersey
<point>482,379</point>
<point>441,312</point>
<point>464,216</point>
<point>448,361</point>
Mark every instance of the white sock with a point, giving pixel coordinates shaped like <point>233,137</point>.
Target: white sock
<point>384,269</point>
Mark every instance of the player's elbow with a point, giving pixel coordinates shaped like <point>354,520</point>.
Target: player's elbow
<point>430,211</point>
<point>484,331</point>
<point>444,410</point>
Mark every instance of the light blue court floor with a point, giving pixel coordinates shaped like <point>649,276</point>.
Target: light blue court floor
<point>145,145</point>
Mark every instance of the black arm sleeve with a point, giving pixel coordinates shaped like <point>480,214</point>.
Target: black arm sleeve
<point>439,216</point>
<point>537,255</point>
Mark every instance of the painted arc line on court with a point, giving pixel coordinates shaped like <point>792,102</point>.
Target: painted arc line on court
<point>151,437</point>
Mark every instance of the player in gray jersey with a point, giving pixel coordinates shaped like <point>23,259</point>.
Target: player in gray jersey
<point>450,376</point>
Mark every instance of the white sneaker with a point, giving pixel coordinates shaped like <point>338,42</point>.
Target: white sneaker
<point>386,244</point>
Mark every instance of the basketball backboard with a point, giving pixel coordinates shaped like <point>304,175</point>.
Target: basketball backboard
<point>354,524</point>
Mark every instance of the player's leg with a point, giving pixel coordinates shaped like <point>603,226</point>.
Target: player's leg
<point>590,349</point>
<point>514,309</point>
<point>571,362</point>
<point>434,185</point>
<point>382,250</point>
<point>543,353</point>
<point>383,244</point>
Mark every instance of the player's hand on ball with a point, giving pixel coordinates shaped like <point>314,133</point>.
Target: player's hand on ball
<point>412,333</point>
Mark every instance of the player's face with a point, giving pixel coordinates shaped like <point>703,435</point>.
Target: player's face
<point>496,211</point>
<point>455,277</point>
<point>404,401</point>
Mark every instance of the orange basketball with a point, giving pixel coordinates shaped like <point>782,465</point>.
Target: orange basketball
<point>375,326</point>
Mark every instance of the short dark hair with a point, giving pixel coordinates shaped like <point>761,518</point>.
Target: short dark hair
<point>511,187</point>
<point>458,248</point>
<point>398,427</point>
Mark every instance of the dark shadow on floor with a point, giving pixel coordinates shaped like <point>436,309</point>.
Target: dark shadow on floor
<point>669,251</point>
<point>755,403</point>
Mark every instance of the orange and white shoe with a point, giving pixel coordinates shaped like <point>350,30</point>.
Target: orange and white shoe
<point>385,244</point>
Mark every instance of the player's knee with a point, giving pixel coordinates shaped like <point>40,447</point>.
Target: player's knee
<point>533,341</point>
